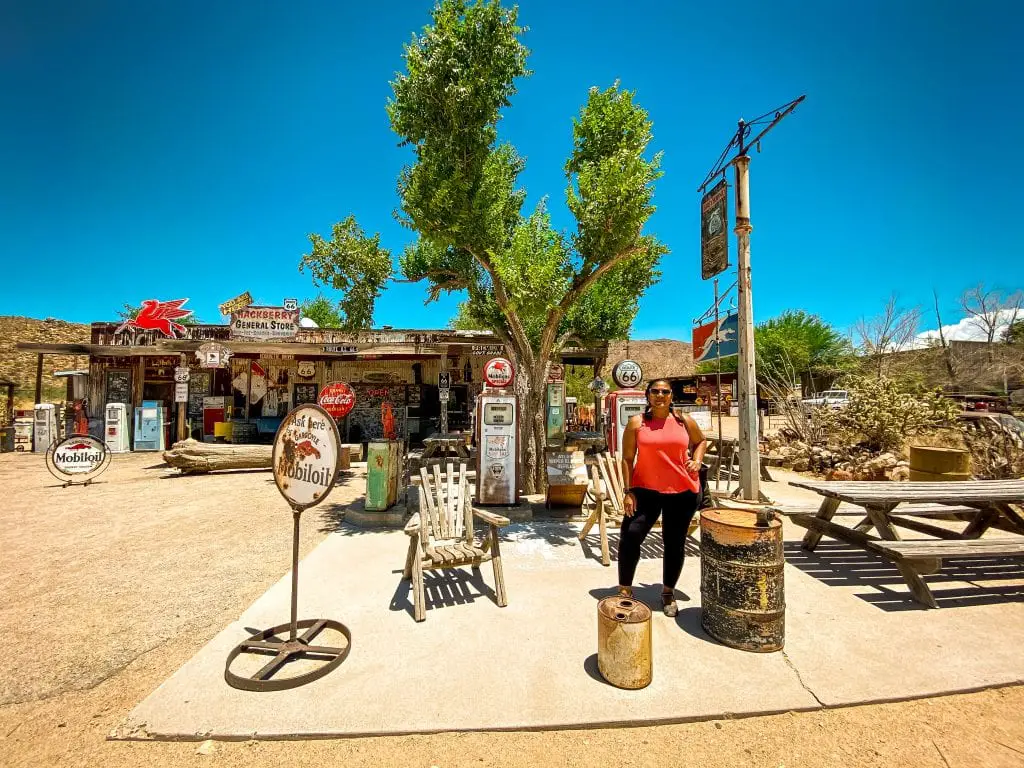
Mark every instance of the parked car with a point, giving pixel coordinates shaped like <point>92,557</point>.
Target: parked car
<point>830,398</point>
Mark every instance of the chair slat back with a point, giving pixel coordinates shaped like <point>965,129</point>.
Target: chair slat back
<point>606,465</point>
<point>445,510</point>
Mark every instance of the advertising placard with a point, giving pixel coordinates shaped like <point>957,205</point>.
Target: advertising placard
<point>498,372</point>
<point>714,231</point>
<point>719,339</point>
<point>235,304</point>
<point>337,398</point>
<point>78,457</point>
<point>305,456</point>
<point>627,374</point>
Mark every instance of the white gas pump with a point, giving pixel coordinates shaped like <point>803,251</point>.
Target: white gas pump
<point>497,445</point>
<point>115,428</point>
<point>44,430</point>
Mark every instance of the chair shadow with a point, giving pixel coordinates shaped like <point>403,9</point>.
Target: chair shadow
<point>841,564</point>
<point>444,589</point>
<point>652,549</point>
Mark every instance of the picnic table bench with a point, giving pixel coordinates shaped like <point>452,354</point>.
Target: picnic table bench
<point>445,445</point>
<point>982,504</point>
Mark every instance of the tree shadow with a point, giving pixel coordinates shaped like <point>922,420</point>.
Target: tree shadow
<point>652,548</point>
<point>882,585</point>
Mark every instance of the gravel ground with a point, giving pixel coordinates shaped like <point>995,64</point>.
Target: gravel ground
<point>106,590</point>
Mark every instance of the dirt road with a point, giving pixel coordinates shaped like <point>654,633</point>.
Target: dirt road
<point>105,591</point>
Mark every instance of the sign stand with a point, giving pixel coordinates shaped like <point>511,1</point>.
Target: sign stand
<point>305,462</point>
<point>77,456</point>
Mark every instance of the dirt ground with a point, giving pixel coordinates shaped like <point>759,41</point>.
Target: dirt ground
<point>105,591</point>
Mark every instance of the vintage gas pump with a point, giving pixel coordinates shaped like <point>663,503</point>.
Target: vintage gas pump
<point>555,400</point>
<point>624,403</point>
<point>115,430</point>
<point>149,426</point>
<point>44,427</point>
<point>497,437</point>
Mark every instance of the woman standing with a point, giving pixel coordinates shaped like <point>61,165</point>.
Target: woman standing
<point>661,457</point>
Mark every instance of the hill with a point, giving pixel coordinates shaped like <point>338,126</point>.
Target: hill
<point>20,367</point>
<point>657,357</point>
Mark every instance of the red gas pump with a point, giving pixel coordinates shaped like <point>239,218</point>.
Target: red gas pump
<point>621,405</point>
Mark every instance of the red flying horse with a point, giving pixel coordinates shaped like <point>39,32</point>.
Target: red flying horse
<point>158,316</point>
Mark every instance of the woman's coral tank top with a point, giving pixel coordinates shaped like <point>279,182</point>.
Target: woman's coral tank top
<point>661,455</point>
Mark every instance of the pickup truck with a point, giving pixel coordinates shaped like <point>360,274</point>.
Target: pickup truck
<point>830,398</point>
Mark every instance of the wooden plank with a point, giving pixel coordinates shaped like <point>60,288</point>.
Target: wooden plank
<point>438,486</point>
<point>456,505</point>
<point>499,575</point>
<point>946,548</point>
<point>467,503</point>
<point>449,522</point>
<point>613,495</point>
<point>918,588</point>
<point>826,512</point>
<point>427,501</point>
<point>824,527</point>
<point>920,527</point>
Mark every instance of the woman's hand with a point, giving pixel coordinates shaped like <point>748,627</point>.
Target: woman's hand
<point>693,466</point>
<point>628,504</point>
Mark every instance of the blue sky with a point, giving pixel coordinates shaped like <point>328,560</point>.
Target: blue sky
<point>168,149</point>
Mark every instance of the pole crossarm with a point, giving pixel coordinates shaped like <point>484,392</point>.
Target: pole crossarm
<point>738,139</point>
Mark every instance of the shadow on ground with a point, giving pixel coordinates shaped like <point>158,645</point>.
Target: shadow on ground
<point>880,582</point>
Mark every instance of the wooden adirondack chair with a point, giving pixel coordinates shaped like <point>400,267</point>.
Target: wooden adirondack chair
<point>441,533</point>
<point>606,487</point>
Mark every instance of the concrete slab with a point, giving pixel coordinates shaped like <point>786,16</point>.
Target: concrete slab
<point>853,635</point>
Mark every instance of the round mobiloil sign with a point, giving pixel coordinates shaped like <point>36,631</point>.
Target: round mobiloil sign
<point>498,372</point>
<point>81,457</point>
<point>337,398</point>
<point>627,374</point>
<point>305,456</point>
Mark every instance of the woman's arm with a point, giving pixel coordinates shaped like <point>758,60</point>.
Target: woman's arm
<point>628,459</point>
<point>698,443</point>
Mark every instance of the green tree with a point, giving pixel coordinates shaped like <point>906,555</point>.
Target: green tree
<point>354,264</point>
<point>1014,333</point>
<point>536,288</point>
<point>321,311</point>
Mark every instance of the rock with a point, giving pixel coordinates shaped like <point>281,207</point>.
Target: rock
<point>801,465</point>
<point>206,748</point>
<point>839,475</point>
<point>900,474</point>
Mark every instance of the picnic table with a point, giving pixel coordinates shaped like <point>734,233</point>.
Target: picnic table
<point>982,504</point>
<point>445,445</point>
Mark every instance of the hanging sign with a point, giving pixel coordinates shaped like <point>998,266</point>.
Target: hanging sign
<point>556,373</point>
<point>627,374</point>
<point>498,372</point>
<point>713,340</point>
<point>306,369</point>
<point>305,456</point>
<point>264,323</point>
<point>78,457</point>
<point>213,355</point>
<point>338,399</point>
<point>235,304</point>
<point>714,233</point>
<point>160,316</point>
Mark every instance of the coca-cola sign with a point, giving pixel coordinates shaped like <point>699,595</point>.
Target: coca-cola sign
<point>337,398</point>
<point>498,372</point>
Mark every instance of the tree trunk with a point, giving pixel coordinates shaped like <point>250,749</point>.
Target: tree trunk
<point>191,456</point>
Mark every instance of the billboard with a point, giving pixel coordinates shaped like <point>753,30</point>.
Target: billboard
<point>720,339</point>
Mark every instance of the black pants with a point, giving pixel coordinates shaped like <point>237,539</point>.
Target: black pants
<point>676,511</point>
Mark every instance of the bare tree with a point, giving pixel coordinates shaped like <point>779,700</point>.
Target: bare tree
<point>989,310</point>
<point>947,357</point>
<point>892,331</point>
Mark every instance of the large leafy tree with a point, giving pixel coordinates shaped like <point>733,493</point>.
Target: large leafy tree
<point>535,287</point>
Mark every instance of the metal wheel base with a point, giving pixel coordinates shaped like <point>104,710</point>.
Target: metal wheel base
<point>289,647</point>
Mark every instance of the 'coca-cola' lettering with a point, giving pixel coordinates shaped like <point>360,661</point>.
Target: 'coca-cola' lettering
<point>337,398</point>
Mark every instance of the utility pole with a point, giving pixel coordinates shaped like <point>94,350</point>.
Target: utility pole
<point>746,374</point>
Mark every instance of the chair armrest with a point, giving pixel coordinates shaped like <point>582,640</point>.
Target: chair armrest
<point>490,518</point>
<point>412,528</point>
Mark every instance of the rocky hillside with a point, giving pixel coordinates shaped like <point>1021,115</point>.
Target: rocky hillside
<point>658,357</point>
<point>20,367</point>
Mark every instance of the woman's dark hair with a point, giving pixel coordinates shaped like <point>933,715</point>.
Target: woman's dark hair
<point>648,414</point>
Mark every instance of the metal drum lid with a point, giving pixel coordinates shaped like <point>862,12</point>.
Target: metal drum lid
<point>625,610</point>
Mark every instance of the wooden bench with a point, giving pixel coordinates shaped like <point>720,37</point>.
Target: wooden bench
<point>441,533</point>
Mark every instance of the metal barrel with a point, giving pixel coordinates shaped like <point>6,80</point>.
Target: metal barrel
<point>624,648</point>
<point>742,591</point>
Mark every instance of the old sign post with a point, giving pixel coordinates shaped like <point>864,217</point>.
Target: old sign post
<point>78,458</point>
<point>714,232</point>
<point>305,464</point>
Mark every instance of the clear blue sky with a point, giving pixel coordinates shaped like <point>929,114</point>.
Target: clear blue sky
<point>176,148</point>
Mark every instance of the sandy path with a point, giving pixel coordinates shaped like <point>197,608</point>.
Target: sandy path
<point>105,591</point>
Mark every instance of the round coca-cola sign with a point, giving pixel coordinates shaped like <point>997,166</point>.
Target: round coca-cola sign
<point>337,398</point>
<point>498,372</point>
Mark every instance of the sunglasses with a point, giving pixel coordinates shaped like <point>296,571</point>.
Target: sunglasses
<point>661,391</point>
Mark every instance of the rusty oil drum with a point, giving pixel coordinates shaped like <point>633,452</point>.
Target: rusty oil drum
<point>741,579</point>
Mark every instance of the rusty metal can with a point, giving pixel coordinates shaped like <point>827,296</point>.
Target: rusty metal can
<point>742,589</point>
<point>624,648</point>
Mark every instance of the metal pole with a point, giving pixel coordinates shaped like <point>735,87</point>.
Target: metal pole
<point>39,379</point>
<point>746,374</point>
<point>718,395</point>
<point>443,426</point>
<point>294,631</point>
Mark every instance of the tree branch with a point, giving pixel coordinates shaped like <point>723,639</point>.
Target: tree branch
<point>518,333</point>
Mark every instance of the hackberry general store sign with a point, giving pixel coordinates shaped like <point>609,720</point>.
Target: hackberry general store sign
<point>264,323</point>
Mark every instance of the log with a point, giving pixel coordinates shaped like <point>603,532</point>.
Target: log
<point>193,457</point>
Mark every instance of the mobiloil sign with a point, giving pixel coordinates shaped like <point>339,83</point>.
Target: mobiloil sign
<point>77,458</point>
<point>497,439</point>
